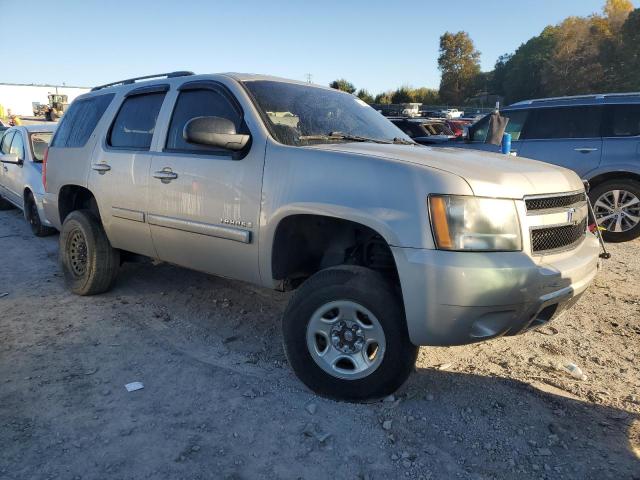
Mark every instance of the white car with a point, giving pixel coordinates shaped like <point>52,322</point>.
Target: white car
<point>22,150</point>
<point>452,113</point>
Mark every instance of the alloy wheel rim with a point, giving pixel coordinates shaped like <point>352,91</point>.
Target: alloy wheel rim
<point>78,253</point>
<point>617,210</point>
<point>346,340</point>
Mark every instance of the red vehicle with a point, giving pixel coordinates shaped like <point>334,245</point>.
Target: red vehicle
<point>456,126</point>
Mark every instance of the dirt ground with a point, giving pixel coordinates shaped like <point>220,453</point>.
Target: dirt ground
<point>219,400</point>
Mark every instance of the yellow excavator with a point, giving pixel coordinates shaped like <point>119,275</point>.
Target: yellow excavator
<point>57,106</point>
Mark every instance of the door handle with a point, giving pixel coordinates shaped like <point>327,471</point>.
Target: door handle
<point>165,175</point>
<point>101,168</point>
<point>585,150</point>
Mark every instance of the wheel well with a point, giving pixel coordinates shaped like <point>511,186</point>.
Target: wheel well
<point>25,195</point>
<point>599,179</point>
<point>306,244</point>
<point>74,197</point>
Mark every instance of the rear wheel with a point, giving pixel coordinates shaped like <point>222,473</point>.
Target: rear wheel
<point>345,335</point>
<point>33,217</point>
<point>88,261</point>
<point>616,204</point>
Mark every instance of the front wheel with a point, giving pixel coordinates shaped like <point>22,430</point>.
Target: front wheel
<point>616,204</point>
<point>88,261</point>
<point>345,335</point>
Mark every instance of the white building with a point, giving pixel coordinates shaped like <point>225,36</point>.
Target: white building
<point>21,98</point>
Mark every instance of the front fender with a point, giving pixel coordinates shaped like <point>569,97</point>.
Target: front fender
<point>389,197</point>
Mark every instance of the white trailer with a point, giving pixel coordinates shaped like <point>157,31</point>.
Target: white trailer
<point>21,98</point>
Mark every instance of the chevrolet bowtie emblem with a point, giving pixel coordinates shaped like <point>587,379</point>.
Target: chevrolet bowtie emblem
<point>570,213</point>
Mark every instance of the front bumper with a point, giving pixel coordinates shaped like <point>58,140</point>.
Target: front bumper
<point>456,298</point>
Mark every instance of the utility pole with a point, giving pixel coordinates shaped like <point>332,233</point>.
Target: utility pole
<point>308,76</point>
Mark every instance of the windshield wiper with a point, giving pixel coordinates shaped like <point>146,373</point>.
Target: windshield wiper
<point>342,136</point>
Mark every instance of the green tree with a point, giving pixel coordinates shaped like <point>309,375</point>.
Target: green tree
<point>628,75</point>
<point>403,94</point>
<point>459,62</point>
<point>344,85</point>
<point>365,96</point>
<point>383,98</point>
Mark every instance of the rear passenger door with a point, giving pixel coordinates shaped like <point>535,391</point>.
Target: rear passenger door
<point>205,215</point>
<point>621,142</point>
<point>566,136</point>
<point>120,166</point>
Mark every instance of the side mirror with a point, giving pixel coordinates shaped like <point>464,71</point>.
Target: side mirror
<point>214,131</point>
<point>11,158</point>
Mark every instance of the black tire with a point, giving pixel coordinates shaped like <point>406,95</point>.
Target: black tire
<point>33,217</point>
<point>88,261</point>
<point>370,290</point>
<point>631,186</point>
<point>5,205</point>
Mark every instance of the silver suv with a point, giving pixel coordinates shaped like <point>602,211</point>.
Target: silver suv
<point>389,244</point>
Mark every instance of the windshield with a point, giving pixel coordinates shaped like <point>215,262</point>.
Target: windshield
<point>296,112</point>
<point>39,143</point>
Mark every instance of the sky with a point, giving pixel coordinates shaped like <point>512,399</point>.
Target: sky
<point>377,45</point>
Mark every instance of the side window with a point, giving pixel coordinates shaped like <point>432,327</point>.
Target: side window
<point>79,122</point>
<point>478,131</point>
<point>565,122</point>
<point>199,103</point>
<point>622,121</point>
<point>516,122</point>
<point>6,142</point>
<point>17,145</point>
<point>134,125</point>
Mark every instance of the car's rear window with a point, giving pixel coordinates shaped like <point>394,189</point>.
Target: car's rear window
<point>79,122</point>
<point>39,143</point>
<point>622,121</point>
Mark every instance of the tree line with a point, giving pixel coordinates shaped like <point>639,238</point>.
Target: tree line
<point>599,53</point>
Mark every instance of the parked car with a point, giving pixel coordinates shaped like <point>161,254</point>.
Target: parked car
<point>424,131</point>
<point>389,245</point>
<point>457,127</point>
<point>597,136</point>
<point>452,113</point>
<point>22,151</point>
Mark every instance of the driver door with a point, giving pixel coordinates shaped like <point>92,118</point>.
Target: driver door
<point>204,202</point>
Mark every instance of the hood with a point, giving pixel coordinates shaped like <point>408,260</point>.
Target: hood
<point>488,174</point>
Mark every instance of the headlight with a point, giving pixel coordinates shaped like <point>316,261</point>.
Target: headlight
<point>474,223</point>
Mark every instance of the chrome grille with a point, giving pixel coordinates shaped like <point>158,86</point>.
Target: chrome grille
<point>550,203</point>
<point>556,238</point>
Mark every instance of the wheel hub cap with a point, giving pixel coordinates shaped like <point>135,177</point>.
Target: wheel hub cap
<point>346,340</point>
<point>347,337</point>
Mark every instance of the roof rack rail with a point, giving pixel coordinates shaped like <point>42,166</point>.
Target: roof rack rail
<point>129,81</point>
<point>578,97</point>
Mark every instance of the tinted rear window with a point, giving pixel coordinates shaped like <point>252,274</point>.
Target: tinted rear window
<point>567,122</point>
<point>134,125</point>
<point>79,122</point>
<point>622,121</point>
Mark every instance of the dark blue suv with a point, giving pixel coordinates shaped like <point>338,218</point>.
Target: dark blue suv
<point>598,136</point>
